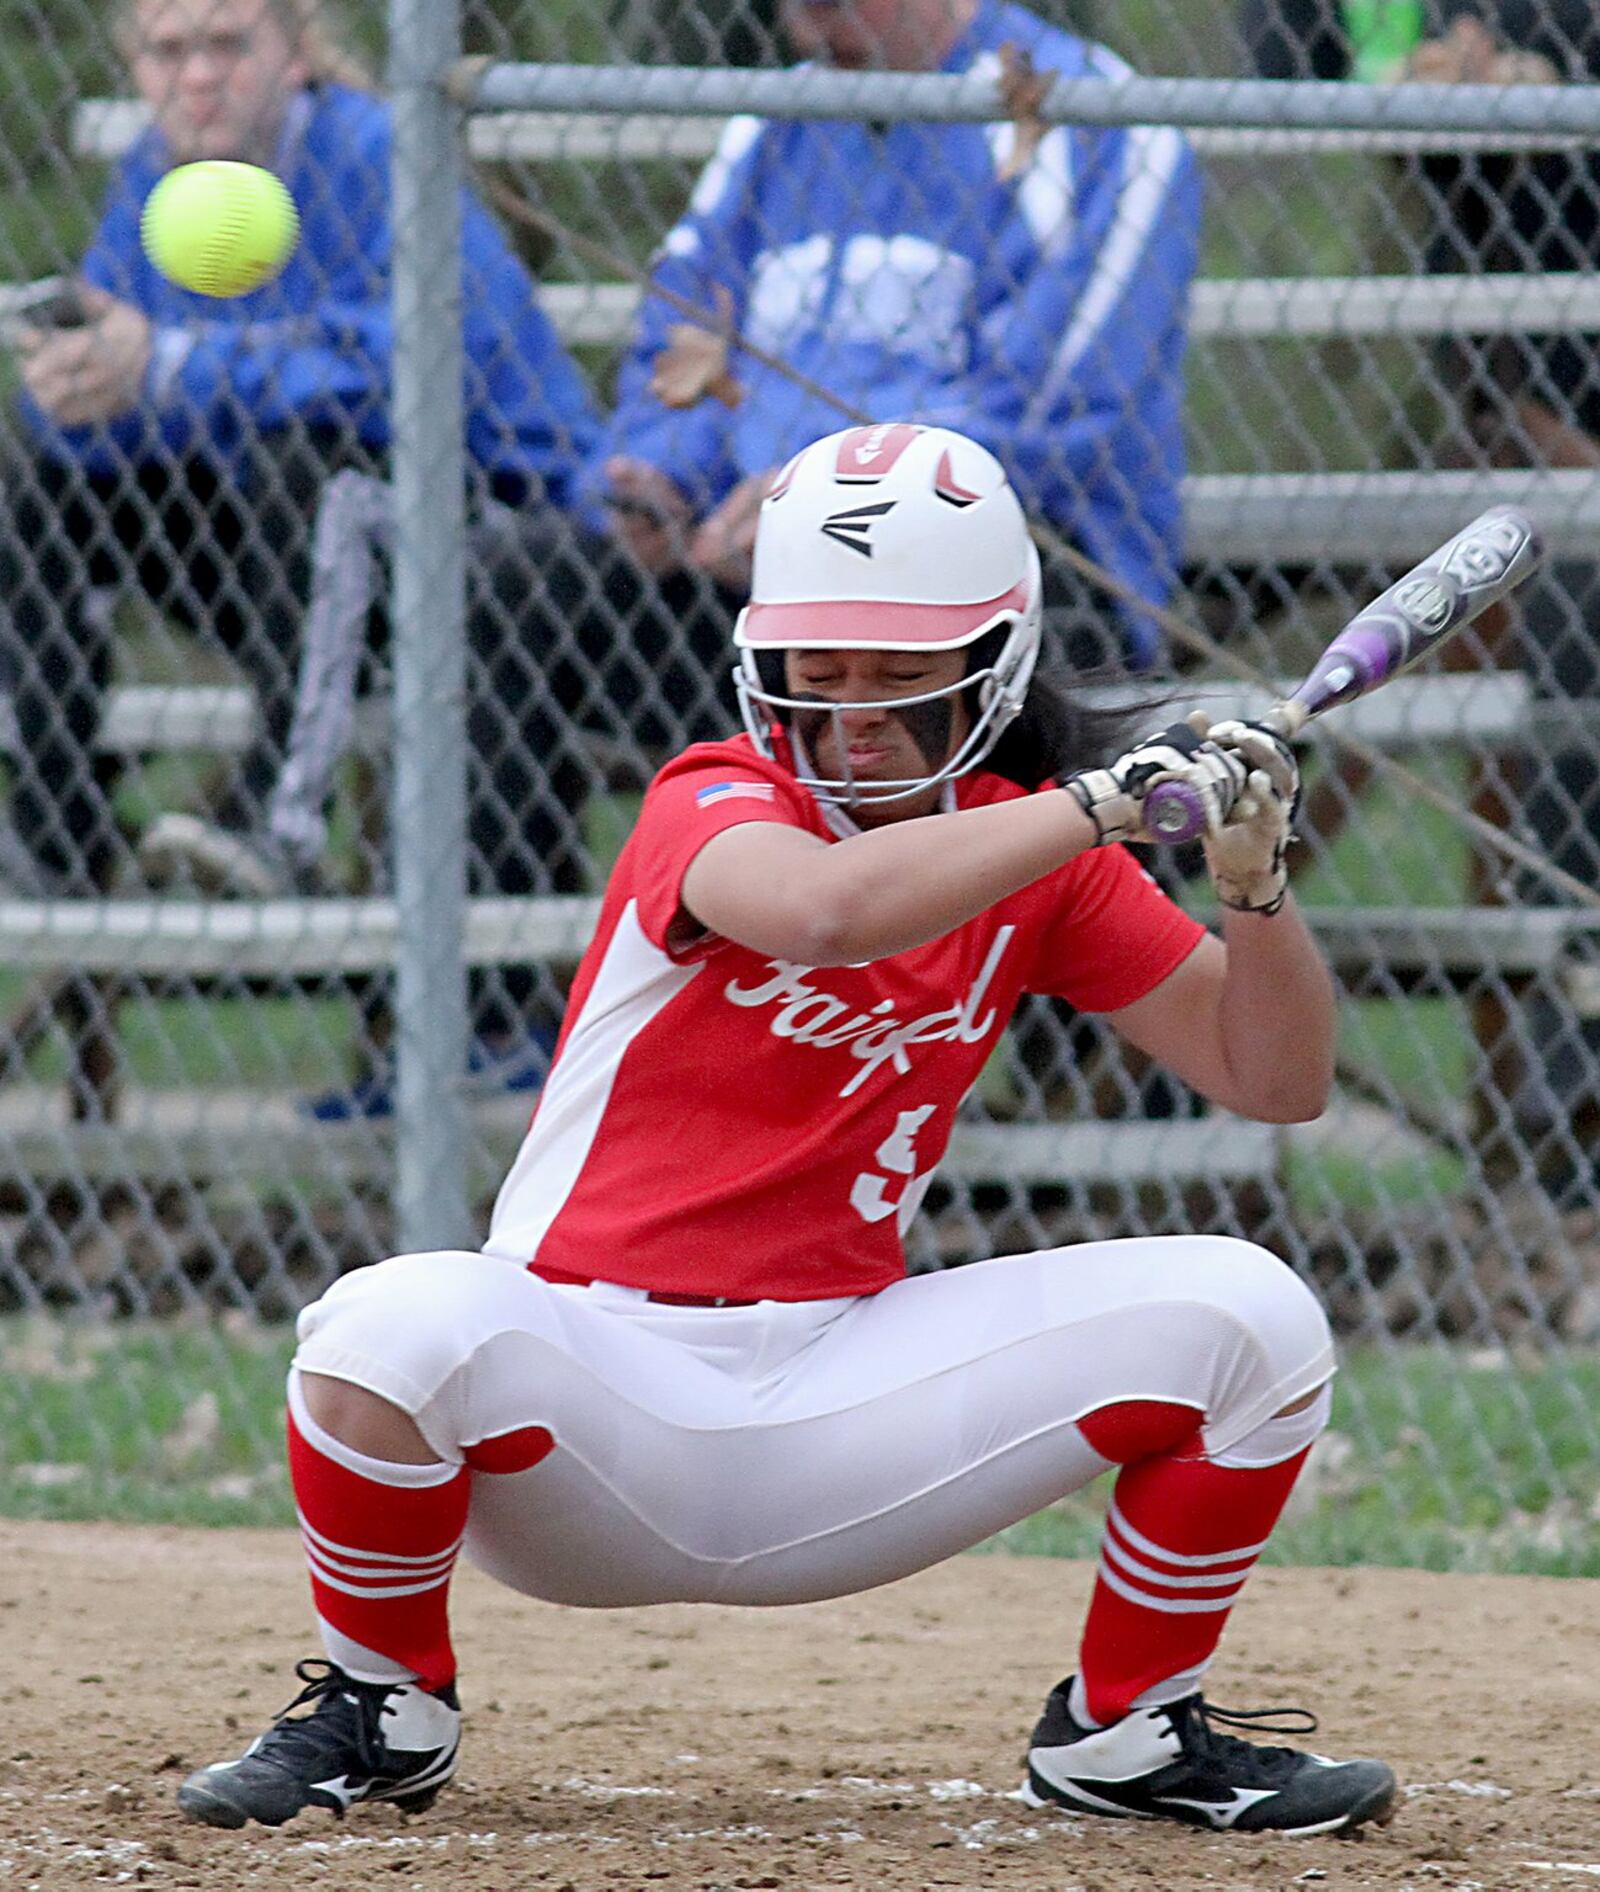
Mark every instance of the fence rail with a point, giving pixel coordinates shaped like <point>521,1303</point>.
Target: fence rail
<point>104,128</point>
<point>156,1150</point>
<point>1535,112</point>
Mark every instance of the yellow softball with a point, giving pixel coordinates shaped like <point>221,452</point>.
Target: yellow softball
<point>218,227</point>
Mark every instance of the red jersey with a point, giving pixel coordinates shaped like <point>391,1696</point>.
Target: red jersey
<point>720,1122</point>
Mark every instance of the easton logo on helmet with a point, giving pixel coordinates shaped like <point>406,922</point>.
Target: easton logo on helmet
<point>853,528</point>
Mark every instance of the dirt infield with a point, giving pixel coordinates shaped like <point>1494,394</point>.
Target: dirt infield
<point>870,1742</point>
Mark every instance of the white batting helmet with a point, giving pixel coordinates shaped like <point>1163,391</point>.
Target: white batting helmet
<point>894,537</point>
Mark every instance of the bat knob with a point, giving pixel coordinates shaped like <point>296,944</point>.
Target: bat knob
<point>1173,814</point>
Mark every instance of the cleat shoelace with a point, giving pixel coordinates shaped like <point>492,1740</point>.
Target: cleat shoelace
<point>1270,1764</point>
<point>345,1717</point>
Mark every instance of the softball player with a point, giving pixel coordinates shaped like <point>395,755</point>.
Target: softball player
<point>688,1363</point>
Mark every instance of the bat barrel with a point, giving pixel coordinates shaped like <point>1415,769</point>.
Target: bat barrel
<point>1482,564</point>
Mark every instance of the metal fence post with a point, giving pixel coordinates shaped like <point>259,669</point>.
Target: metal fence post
<point>429,817</point>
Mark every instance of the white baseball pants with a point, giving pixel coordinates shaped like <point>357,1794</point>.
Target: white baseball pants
<point>785,1452</point>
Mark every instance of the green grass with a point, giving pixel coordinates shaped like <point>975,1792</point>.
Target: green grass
<point>300,1043</point>
<point>1395,851</point>
<point>1330,1183</point>
<point>169,1423</point>
<point>1434,1458</point>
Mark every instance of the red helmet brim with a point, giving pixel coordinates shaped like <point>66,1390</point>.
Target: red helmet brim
<point>867,624</point>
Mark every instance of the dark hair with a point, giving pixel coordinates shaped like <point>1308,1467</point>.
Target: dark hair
<point>1056,732</point>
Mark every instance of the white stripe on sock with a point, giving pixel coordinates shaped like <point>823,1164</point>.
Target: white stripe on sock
<point>330,1547</point>
<point>1167,1605</point>
<point>1136,1572</point>
<point>1147,1547</point>
<point>376,1574</point>
<point>374,1592</point>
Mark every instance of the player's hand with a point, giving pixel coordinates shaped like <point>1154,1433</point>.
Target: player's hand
<point>1113,797</point>
<point>83,375</point>
<point>725,542</point>
<point>650,514</point>
<point>1247,856</point>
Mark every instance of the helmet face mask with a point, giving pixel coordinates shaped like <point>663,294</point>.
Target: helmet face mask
<point>997,692</point>
<point>901,539</point>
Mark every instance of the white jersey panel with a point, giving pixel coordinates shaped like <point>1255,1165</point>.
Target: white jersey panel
<point>634,982</point>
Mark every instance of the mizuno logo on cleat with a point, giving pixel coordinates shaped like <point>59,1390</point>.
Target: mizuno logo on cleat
<point>1221,1813</point>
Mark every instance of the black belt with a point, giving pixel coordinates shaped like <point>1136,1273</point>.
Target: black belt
<point>563,1278</point>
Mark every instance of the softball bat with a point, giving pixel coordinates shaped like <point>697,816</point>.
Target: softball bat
<point>1480,565</point>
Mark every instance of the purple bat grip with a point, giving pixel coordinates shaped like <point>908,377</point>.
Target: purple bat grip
<point>1173,813</point>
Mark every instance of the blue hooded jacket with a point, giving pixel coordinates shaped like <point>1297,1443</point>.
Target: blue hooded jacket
<point>316,344</point>
<point>1044,316</point>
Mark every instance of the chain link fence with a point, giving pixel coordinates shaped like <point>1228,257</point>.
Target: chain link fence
<point>1248,373</point>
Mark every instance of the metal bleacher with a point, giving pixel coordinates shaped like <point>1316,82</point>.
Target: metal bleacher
<point>1330,517</point>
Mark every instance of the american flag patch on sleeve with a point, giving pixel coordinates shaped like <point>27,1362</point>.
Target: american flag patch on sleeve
<point>727,791</point>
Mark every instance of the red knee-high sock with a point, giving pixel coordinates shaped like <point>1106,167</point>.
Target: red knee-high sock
<point>382,1539</point>
<point>1181,1537</point>
<point>381,1543</point>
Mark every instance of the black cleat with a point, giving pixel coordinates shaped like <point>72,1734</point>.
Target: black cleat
<point>361,1741</point>
<point>1171,1764</point>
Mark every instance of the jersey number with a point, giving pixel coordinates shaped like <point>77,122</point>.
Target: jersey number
<point>897,1156</point>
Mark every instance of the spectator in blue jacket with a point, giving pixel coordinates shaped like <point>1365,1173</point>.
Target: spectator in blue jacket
<point>1034,299</point>
<point>902,268</point>
<point>180,443</point>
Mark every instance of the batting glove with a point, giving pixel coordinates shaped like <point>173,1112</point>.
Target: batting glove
<point>1247,855</point>
<point>1113,797</point>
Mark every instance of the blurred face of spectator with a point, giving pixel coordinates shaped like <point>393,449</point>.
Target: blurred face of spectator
<point>218,74</point>
<point>897,35</point>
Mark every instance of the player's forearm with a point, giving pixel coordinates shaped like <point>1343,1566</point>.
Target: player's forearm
<point>892,888</point>
<point>1277,1016</point>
